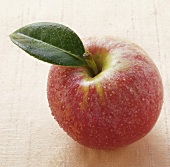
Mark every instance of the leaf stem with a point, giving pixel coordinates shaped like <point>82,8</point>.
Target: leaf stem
<point>90,62</point>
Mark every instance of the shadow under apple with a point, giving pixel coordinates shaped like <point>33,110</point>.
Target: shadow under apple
<point>147,152</point>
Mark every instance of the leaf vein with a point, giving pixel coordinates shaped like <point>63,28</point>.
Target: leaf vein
<point>19,35</point>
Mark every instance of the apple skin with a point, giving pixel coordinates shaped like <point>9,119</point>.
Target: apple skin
<point>113,109</point>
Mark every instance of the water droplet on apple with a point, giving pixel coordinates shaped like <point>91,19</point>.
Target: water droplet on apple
<point>131,90</point>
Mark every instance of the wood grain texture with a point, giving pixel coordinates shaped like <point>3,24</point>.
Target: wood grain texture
<point>29,136</point>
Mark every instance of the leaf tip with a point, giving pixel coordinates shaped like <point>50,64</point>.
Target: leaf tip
<point>11,36</point>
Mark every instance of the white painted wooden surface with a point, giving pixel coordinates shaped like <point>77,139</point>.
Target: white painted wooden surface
<point>29,136</point>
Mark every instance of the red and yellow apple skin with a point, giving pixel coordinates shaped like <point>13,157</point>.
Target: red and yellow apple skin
<point>115,108</point>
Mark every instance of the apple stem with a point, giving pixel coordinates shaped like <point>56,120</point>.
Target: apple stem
<point>90,62</point>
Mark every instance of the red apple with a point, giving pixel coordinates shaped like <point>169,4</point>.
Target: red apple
<point>114,108</point>
<point>106,96</point>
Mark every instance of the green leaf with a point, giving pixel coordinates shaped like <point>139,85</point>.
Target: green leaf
<point>51,42</point>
